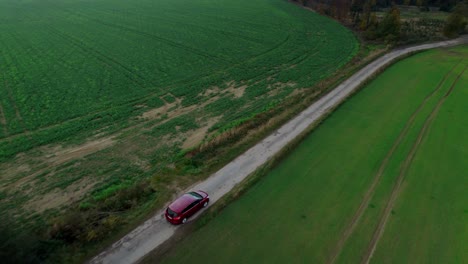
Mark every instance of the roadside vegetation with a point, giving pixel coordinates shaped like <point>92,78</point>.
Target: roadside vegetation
<point>396,149</point>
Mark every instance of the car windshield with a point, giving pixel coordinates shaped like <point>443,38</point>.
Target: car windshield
<point>171,213</point>
<point>196,195</point>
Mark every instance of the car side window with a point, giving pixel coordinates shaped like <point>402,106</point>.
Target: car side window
<point>194,203</point>
<point>190,206</point>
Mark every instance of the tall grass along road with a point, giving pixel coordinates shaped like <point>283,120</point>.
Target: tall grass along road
<point>155,231</point>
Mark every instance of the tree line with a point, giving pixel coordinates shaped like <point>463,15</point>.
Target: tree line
<point>361,15</point>
<point>443,5</point>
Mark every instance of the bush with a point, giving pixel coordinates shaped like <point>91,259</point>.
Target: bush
<point>390,26</point>
<point>423,29</point>
<point>71,227</point>
<point>127,198</point>
<point>22,246</point>
<point>90,222</point>
<point>456,22</point>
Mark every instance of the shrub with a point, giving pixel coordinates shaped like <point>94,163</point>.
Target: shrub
<point>456,22</point>
<point>127,198</point>
<point>92,223</point>
<point>22,246</point>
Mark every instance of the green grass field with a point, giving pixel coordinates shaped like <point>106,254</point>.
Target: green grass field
<point>410,122</point>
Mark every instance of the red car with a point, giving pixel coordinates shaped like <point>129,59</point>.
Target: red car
<point>185,206</point>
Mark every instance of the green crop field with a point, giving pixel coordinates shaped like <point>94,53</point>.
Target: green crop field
<point>99,98</point>
<point>74,66</point>
<point>382,179</point>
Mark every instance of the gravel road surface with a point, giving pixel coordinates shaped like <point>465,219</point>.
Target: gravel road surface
<point>156,230</point>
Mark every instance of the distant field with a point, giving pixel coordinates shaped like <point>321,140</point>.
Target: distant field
<point>412,12</point>
<point>98,95</point>
<point>397,150</point>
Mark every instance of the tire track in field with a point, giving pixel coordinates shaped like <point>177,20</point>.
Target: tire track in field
<point>15,106</point>
<point>175,22</point>
<point>370,192</point>
<point>160,39</point>
<point>11,99</point>
<point>86,51</point>
<point>403,171</point>
<point>192,79</point>
<point>234,63</point>
<point>104,59</point>
<point>3,121</point>
<point>37,56</point>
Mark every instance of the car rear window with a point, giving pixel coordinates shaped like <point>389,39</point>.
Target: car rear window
<point>196,195</point>
<point>171,213</point>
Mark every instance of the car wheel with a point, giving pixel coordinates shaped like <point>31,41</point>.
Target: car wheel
<point>205,204</point>
<point>184,220</point>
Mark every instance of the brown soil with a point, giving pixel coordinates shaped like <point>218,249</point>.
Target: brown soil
<point>172,113</point>
<point>195,137</point>
<point>238,91</point>
<point>60,197</point>
<point>404,169</point>
<point>370,191</point>
<point>51,158</point>
<point>16,176</point>
<point>157,112</point>
<point>62,155</point>
<point>211,92</point>
<point>303,91</point>
<point>233,88</point>
<point>274,89</point>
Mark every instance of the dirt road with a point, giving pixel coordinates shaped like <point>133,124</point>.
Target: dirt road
<point>156,230</point>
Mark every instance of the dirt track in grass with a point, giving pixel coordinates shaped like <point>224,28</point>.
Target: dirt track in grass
<point>369,193</point>
<point>404,169</point>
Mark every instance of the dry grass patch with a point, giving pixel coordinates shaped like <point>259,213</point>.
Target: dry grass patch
<point>60,197</point>
<point>61,155</point>
<point>236,91</point>
<point>157,112</point>
<point>195,137</point>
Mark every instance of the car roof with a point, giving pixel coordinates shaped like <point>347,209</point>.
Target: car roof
<point>182,202</point>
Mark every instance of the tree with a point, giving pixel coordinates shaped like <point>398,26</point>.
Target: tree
<point>357,6</point>
<point>456,22</point>
<point>447,5</point>
<point>341,8</point>
<point>368,7</point>
<point>22,246</point>
<point>390,26</point>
